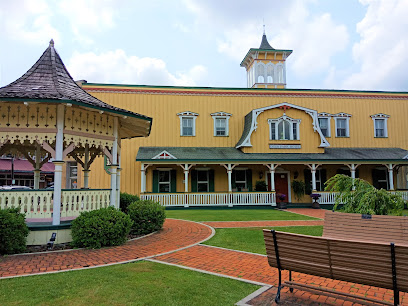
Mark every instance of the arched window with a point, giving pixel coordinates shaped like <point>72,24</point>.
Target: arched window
<point>261,73</point>
<point>269,73</point>
<point>284,128</point>
<point>279,74</point>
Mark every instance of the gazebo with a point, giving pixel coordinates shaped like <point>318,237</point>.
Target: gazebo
<point>45,115</point>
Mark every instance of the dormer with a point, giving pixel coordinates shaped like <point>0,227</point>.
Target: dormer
<point>266,66</point>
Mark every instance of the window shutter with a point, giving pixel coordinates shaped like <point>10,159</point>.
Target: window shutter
<point>233,184</point>
<point>211,178</point>
<point>323,177</point>
<point>249,179</point>
<point>193,180</point>
<point>155,181</point>
<point>308,181</point>
<point>173,180</point>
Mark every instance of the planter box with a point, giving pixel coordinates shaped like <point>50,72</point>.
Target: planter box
<point>282,205</point>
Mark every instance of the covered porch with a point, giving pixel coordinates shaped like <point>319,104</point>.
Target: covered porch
<point>47,117</point>
<point>227,177</point>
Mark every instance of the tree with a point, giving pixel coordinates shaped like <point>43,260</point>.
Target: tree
<point>359,196</point>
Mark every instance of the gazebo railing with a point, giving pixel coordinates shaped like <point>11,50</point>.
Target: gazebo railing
<point>38,204</point>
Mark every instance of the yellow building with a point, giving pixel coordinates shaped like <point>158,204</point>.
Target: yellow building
<point>210,146</point>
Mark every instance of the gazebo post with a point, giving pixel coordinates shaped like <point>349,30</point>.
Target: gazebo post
<point>58,162</point>
<point>114,164</point>
<point>86,167</point>
<point>37,170</point>
<point>118,178</point>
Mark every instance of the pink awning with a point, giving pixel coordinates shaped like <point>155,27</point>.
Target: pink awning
<point>22,165</point>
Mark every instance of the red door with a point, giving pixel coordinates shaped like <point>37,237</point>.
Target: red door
<point>281,186</point>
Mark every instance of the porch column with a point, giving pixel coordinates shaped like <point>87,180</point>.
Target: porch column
<point>229,168</point>
<point>114,165</point>
<point>272,168</point>
<point>186,168</point>
<point>353,168</point>
<point>86,167</point>
<point>313,168</point>
<point>390,168</point>
<point>58,162</point>
<point>143,170</point>
<point>37,168</point>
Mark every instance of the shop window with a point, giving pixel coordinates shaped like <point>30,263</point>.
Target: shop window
<point>202,180</point>
<point>164,180</point>
<point>242,180</point>
<point>72,175</point>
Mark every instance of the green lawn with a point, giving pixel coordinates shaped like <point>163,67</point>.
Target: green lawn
<point>140,283</point>
<point>229,214</point>
<point>251,239</point>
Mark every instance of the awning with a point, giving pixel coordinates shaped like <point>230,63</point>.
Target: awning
<point>22,165</point>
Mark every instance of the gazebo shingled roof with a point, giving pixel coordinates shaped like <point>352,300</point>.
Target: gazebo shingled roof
<point>48,79</point>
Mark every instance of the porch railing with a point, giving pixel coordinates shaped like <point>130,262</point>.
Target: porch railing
<point>330,197</point>
<point>38,204</point>
<point>212,199</point>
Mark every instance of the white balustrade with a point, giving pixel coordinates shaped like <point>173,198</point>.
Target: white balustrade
<point>327,197</point>
<point>212,199</point>
<point>402,193</point>
<point>38,204</point>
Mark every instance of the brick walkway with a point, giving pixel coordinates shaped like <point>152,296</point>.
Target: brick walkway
<point>232,224</point>
<point>176,234</point>
<point>316,213</point>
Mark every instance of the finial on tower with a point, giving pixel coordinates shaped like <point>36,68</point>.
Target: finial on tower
<point>263,26</point>
<point>51,43</point>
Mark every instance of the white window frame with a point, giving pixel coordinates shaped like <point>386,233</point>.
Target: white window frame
<point>347,118</point>
<point>291,121</point>
<point>381,117</point>
<point>202,182</point>
<point>221,115</point>
<point>240,182</point>
<point>328,117</point>
<point>187,115</point>
<point>166,182</point>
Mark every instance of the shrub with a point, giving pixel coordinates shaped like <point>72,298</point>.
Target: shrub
<point>147,216</point>
<point>99,228</point>
<point>365,198</point>
<point>13,231</point>
<point>126,199</point>
<point>260,186</point>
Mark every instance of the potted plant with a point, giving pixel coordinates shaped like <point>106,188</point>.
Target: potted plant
<point>282,204</point>
<point>315,197</point>
<point>298,188</point>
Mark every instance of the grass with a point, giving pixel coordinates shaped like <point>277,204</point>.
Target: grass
<point>230,214</point>
<point>251,239</point>
<point>140,283</point>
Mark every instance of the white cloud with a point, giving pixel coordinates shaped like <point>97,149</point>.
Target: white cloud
<point>28,21</point>
<point>117,67</point>
<point>381,56</point>
<point>315,39</point>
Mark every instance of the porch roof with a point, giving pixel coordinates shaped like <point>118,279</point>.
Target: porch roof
<point>211,154</point>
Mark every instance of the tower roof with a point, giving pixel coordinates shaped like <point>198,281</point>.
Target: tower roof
<point>265,44</point>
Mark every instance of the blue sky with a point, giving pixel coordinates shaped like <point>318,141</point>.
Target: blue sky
<point>337,44</point>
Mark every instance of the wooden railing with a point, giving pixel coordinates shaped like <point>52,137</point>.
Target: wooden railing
<point>330,197</point>
<point>212,199</point>
<point>38,204</point>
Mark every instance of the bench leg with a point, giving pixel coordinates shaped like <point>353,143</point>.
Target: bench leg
<point>277,297</point>
<point>290,279</point>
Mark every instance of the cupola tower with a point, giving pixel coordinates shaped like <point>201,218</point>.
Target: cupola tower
<point>266,66</point>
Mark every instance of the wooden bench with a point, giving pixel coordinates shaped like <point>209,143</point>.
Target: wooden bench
<point>366,227</point>
<point>383,265</point>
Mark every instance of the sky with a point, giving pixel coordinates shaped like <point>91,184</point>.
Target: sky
<point>337,44</point>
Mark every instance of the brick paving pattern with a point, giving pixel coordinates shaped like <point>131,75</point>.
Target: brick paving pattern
<point>176,234</point>
<point>316,213</point>
<point>234,224</point>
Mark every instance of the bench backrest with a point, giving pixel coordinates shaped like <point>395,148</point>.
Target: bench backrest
<point>358,262</point>
<point>366,227</point>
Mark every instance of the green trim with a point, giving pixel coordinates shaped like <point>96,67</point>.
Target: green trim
<point>56,101</point>
<point>328,162</point>
<point>47,227</point>
<point>242,88</point>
